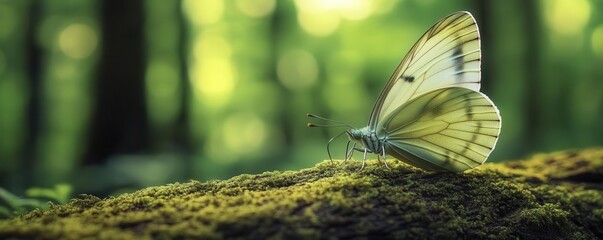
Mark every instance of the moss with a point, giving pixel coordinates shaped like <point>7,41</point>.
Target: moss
<point>550,196</point>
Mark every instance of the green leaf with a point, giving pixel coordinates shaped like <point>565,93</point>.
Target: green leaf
<point>11,200</point>
<point>60,193</point>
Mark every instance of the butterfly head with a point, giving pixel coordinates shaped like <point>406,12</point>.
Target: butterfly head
<point>354,134</point>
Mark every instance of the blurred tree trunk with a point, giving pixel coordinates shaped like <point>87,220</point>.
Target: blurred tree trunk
<point>509,43</point>
<point>19,95</point>
<point>119,121</point>
<point>32,129</point>
<point>533,115</point>
<point>182,125</point>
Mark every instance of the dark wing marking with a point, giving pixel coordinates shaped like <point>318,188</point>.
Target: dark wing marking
<point>447,55</point>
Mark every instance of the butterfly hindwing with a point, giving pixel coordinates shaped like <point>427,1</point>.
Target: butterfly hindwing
<point>449,129</point>
<point>430,114</point>
<point>447,55</point>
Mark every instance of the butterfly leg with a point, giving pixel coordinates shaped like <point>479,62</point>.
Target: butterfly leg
<point>365,151</point>
<point>384,159</point>
<point>349,152</point>
<point>364,159</point>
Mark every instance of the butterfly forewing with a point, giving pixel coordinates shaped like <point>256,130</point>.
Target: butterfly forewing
<point>448,129</point>
<point>447,55</point>
<point>430,113</point>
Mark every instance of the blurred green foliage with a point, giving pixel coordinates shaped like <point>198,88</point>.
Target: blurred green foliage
<point>226,83</point>
<point>36,198</point>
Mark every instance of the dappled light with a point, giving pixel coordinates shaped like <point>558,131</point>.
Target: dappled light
<point>212,72</point>
<point>203,12</point>
<point>297,69</point>
<point>567,17</point>
<point>78,41</point>
<point>256,8</point>
<point>321,18</point>
<point>243,133</point>
<point>105,96</point>
<point>597,41</point>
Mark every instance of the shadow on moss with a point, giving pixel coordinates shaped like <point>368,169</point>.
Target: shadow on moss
<point>550,196</point>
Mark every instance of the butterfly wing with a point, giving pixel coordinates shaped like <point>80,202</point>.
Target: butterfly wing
<point>448,129</point>
<point>447,55</point>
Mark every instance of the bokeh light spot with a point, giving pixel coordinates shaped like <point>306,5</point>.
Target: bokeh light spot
<point>597,41</point>
<point>78,40</point>
<point>297,69</point>
<point>243,133</point>
<point>213,73</point>
<point>256,8</point>
<point>211,46</point>
<point>323,17</point>
<point>567,17</point>
<point>214,80</point>
<point>355,9</point>
<point>318,23</point>
<point>204,12</point>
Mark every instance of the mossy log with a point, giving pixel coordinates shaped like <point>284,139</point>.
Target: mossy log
<point>549,196</point>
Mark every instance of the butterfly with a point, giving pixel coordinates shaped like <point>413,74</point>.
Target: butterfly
<point>430,114</point>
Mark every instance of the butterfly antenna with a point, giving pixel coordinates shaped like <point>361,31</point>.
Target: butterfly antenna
<point>336,123</point>
<point>329,145</point>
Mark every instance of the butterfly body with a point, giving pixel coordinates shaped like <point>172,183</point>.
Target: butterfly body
<point>369,139</point>
<point>430,113</point>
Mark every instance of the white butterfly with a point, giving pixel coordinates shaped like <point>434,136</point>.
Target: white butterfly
<point>431,114</point>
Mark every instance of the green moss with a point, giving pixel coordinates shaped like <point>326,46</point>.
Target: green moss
<point>550,196</point>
